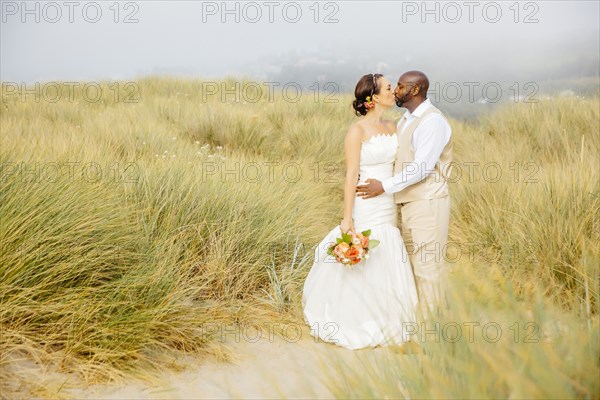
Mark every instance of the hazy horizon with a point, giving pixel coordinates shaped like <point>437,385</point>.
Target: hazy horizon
<point>188,38</point>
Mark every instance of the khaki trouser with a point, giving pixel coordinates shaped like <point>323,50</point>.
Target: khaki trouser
<point>424,227</point>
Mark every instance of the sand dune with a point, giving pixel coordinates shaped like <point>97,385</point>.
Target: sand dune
<point>270,368</point>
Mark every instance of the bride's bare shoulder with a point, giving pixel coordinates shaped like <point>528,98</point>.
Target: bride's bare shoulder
<point>355,132</point>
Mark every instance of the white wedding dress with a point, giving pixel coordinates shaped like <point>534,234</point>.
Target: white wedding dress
<point>375,302</point>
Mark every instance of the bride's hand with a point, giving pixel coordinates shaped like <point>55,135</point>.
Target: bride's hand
<point>346,225</point>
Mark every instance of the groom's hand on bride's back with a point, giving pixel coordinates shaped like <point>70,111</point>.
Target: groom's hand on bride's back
<point>372,188</point>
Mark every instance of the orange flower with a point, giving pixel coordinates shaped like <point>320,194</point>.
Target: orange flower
<point>352,253</point>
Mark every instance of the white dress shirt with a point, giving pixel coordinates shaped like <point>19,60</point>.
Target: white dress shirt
<point>428,142</point>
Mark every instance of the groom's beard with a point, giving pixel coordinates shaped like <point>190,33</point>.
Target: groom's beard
<point>400,101</point>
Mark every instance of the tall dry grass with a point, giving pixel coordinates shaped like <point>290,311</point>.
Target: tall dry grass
<point>525,260</point>
<point>127,227</point>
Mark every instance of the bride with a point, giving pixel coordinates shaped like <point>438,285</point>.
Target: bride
<point>371,304</point>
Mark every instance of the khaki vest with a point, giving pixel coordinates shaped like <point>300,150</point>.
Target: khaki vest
<point>435,184</point>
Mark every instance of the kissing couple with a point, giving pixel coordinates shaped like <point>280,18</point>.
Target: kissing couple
<point>396,186</point>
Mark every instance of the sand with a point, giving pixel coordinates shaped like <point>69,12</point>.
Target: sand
<point>270,368</point>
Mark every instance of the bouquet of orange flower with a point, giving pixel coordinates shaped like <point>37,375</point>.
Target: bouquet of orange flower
<point>352,247</point>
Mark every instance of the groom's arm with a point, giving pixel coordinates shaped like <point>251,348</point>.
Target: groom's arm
<point>429,140</point>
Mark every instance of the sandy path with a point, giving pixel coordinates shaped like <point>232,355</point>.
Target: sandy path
<point>271,368</point>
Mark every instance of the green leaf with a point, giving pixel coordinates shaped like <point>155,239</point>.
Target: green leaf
<point>366,233</point>
<point>347,238</point>
<point>338,240</point>
<point>373,243</point>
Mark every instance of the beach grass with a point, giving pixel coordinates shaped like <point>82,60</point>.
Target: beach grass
<point>136,223</point>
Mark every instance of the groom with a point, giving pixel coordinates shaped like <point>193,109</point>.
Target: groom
<point>422,166</point>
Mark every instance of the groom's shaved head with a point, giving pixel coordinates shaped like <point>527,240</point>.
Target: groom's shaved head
<point>416,78</point>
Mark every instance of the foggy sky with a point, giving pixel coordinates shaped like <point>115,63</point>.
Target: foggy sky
<point>189,38</point>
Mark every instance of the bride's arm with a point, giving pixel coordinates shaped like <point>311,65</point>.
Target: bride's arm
<point>352,146</point>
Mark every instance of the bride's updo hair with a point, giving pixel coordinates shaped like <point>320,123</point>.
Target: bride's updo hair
<point>366,86</point>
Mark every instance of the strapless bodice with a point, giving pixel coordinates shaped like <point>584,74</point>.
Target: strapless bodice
<point>377,156</point>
